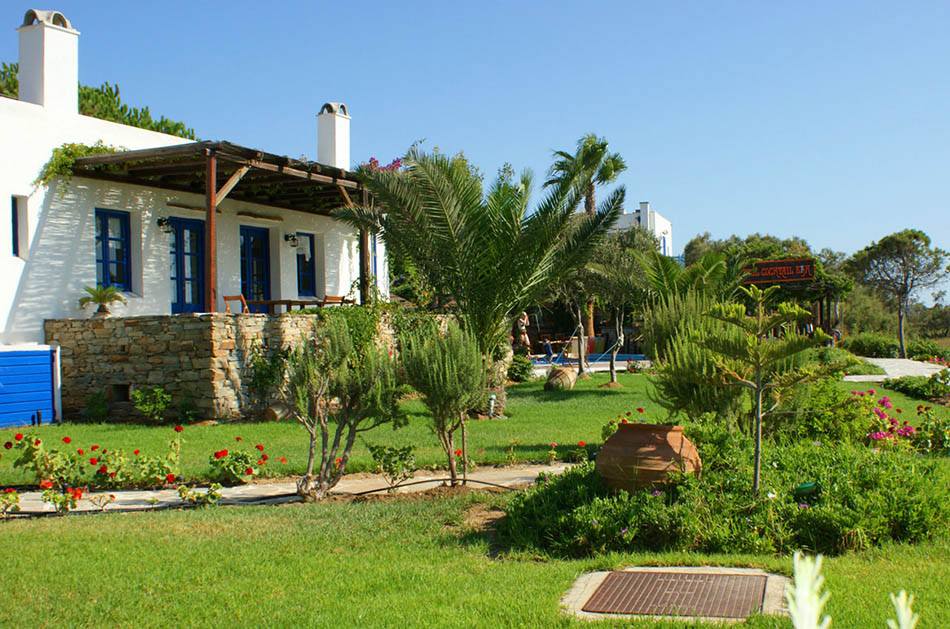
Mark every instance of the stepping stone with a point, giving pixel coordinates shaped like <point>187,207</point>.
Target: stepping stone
<point>684,593</point>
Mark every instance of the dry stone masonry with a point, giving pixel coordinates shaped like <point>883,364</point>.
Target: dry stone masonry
<point>202,360</point>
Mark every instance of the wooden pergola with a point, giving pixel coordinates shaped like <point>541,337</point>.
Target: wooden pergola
<point>248,174</point>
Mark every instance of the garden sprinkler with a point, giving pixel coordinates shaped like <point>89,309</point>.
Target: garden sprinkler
<point>491,405</point>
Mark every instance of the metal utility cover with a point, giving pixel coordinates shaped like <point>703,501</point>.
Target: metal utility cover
<point>658,593</point>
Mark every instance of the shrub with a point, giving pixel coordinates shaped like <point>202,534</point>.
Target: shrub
<point>821,410</point>
<point>844,360</point>
<point>151,402</point>
<point>872,345</point>
<point>232,467</point>
<point>925,350</point>
<point>933,432</point>
<point>96,408</point>
<point>865,498</point>
<point>934,387</point>
<point>268,370</point>
<point>521,369</point>
<point>397,465</point>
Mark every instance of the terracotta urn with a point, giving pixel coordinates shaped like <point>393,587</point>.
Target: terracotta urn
<point>640,455</point>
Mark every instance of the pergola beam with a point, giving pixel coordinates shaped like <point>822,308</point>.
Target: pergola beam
<point>229,184</point>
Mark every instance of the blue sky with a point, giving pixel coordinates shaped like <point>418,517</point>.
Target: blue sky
<point>829,121</point>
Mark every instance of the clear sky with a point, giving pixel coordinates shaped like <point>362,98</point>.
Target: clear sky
<point>826,120</point>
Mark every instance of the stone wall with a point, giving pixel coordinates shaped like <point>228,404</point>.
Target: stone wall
<point>201,360</point>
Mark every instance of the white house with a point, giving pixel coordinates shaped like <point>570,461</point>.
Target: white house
<point>652,221</point>
<point>177,225</point>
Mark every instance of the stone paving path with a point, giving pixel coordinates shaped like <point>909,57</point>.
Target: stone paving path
<point>896,368</point>
<point>279,492</point>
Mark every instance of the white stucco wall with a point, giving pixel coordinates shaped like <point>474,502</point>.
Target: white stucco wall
<point>48,278</point>
<point>652,221</point>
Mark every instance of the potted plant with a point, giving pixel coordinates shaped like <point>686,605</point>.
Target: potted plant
<point>102,296</point>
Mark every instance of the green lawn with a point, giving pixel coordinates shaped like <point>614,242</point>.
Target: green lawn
<point>535,419</point>
<point>411,562</point>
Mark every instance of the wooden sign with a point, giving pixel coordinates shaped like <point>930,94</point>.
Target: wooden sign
<point>768,272</point>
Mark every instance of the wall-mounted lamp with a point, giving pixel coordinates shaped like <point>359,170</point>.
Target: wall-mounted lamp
<point>165,225</point>
<point>291,239</point>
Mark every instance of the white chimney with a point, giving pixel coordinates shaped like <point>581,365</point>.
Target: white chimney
<point>49,61</point>
<point>333,135</point>
<point>644,205</point>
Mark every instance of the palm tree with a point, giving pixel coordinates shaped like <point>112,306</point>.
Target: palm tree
<point>483,248</point>
<point>101,296</point>
<point>591,165</point>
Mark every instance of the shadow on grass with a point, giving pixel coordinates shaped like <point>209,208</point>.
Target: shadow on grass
<point>540,395</point>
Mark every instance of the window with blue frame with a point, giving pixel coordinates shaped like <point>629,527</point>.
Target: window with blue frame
<point>306,265</point>
<point>113,252</point>
<point>15,220</point>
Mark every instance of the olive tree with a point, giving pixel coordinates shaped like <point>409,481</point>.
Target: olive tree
<point>338,390</point>
<point>449,371</point>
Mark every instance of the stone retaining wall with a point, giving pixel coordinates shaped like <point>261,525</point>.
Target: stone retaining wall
<point>201,360</point>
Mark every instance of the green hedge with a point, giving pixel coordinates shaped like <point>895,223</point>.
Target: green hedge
<point>872,345</point>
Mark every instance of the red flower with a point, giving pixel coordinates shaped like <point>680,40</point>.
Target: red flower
<point>135,452</point>
<point>46,484</point>
<point>640,409</point>
<point>179,428</point>
<point>112,474</point>
<point>220,454</point>
<point>93,461</point>
<point>338,461</point>
<point>283,460</point>
<point>18,436</point>
<point>102,469</point>
<point>260,447</point>
<point>249,471</point>
<point>624,421</point>
<point>169,478</point>
<point>37,442</point>
<point>629,413</point>
<point>553,444</point>
<point>260,462</point>
<point>458,452</point>
<point>264,457</point>
<point>80,451</point>
<point>8,445</point>
<point>9,490</point>
<point>67,440</point>
<point>581,444</point>
<point>104,450</point>
<point>238,439</point>
<point>76,493</point>
<point>94,447</point>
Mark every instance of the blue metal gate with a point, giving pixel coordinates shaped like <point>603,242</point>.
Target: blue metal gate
<point>27,386</point>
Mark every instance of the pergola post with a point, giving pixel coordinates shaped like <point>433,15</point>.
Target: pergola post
<point>211,236</point>
<point>365,253</point>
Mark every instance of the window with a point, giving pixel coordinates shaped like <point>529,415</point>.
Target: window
<point>113,267</point>
<point>18,246</point>
<point>306,266</point>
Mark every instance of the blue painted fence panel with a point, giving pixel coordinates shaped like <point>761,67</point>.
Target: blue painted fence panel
<point>26,387</point>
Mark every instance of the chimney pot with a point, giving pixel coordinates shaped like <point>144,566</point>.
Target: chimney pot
<point>333,135</point>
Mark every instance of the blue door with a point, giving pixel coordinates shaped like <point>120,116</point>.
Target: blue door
<point>187,265</point>
<point>26,387</point>
<point>255,265</point>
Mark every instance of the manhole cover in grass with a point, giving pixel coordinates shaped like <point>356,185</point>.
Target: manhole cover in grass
<point>657,593</point>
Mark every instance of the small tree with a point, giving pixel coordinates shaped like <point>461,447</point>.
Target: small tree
<point>764,358</point>
<point>899,265</point>
<point>102,296</point>
<point>449,371</point>
<point>337,391</point>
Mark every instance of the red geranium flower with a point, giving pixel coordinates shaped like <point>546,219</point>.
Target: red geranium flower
<point>135,452</point>
<point>8,445</point>
<point>220,454</point>
<point>93,461</point>
<point>260,462</point>
<point>458,452</point>
<point>37,442</point>
<point>264,457</point>
<point>338,461</point>
<point>640,409</point>
<point>260,447</point>
<point>67,440</point>
<point>581,444</point>
<point>283,460</point>
<point>18,436</point>
<point>94,447</point>
<point>238,439</point>
<point>624,421</point>
<point>179,428</point>
<point>553,444</point>
<point>169,478</point>
<point>46,484</point>
<point>249,471</point>
<point>9,490</point>
<point>103,469</point>
<point>112,474</point>
<point>80,451</point>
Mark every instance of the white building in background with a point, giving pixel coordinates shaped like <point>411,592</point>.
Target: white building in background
<point>144,231</point>
<point>652,221</point>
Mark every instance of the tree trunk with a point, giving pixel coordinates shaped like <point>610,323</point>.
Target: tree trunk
<point>590,207</point>
<point>464,453</point>
<point>581,346</point>
<point>618,328</point>
<point>307,485</point>
<point>900,328</point>
<point>757,474</point>
<point>449,442</point>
